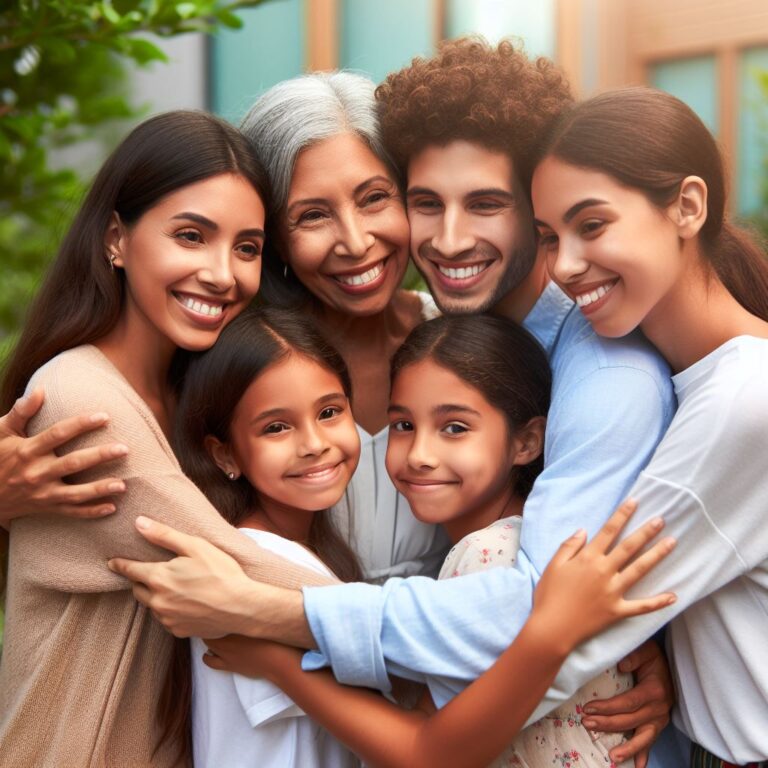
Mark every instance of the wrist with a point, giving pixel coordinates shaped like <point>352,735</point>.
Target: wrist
<point>541,632</point>
<point>273,613</point>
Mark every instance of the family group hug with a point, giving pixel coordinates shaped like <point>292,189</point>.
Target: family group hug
<point>266,507</point>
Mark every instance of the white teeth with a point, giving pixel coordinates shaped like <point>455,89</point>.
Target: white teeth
<point>366,277</point>
<point>460,273</point>
<point>212,310</point>
<point>585,299</point>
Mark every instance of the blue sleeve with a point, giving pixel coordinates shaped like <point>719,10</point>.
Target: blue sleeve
<point>601,432</point>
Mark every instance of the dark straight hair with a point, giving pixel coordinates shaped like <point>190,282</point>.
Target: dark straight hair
<point>81,298</point>
<point>650,141</point>
<point>495,356</point>
<point>214,384</point>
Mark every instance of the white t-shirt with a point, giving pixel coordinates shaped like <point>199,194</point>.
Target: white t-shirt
<point>240,722</point>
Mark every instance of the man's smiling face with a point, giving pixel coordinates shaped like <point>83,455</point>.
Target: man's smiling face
<point>472,234</point>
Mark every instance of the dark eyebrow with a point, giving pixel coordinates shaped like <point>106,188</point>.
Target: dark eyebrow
<point>412,191</point>
<point>394,408</point>
<point>330,397</point>
<point>491,191</point>
<point>373,180</point>
<point>440,410</point>
<point>574,209</point>
<point>203,221</point>
<point>196,217</point>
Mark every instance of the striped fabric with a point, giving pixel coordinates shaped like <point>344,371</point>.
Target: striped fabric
<point>700,758</point>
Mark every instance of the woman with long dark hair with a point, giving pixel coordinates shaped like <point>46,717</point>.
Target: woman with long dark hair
<point>630,201</point>
<point>164,252</point>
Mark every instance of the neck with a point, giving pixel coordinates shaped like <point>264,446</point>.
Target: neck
<point>517,303</point>
<point>144,359</point>
<point>280,519</point>
<point>505,505</point>
<point>697,316</point>
<point>351,332</point>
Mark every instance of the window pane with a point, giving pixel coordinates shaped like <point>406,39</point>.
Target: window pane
<point>753,131</point>
<point>693,81</point>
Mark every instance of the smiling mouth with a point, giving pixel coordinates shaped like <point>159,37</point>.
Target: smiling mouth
<point>362,278</point>
<point>199,306</point>
<point>317,474</point>
<point>590,297</point>
<point>462,273</point>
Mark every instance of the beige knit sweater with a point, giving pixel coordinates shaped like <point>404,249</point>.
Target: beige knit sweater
<point>83,663</point>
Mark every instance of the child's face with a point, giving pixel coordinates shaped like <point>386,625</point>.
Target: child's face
<point>449,451</point>
<point>293,436</point>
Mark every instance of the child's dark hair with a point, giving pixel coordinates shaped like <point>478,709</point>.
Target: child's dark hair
<point>214,384</point>
<point>497,357</point>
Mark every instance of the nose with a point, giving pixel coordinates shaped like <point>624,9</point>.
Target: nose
<point>216,273</point>
<point>354,239</point>
<point>312,440</point>
<point>453,234</point>
<point>421,456</point>
<point>566,263</point>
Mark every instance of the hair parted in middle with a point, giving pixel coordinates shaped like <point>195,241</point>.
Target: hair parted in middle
<point>492,95</point>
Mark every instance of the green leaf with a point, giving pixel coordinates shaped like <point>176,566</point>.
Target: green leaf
<point>228,19</point>
<point>143,52</point>
<point>109,13</point>
<point>186,10</point>
<point>60,51</point>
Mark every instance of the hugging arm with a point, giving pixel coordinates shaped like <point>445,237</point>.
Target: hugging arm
<point>32,474</point>
<point>479,723</point>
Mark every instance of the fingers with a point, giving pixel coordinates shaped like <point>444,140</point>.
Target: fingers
<point>136,571</point>
<point>22,411</point>
<point>645,562</point>
<point>568,549</point>
<point>166,537</point>
<point>641,741</point>
<point>214,662</point>
<point>634,543</point>
<point>85,458</point>
<point>608,534</point>
<point>64,431</point>
<point>86,511</point>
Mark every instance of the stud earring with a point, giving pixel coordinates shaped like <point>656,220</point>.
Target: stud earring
<point>111,256</point>
<point>231,475</point>
<point>285,271</point>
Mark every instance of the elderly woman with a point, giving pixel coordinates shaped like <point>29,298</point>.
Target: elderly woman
<point>339,248</point>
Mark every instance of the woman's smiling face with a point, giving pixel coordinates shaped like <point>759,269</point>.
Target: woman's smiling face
<point>344,229</point>
<point>608,247</point>
<point>192,262</point>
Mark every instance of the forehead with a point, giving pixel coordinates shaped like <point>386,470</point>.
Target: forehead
<point>426,384</point>
<point>343,157</point>
<point>461,165</point>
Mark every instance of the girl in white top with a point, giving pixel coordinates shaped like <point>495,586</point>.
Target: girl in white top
<point>265,430</point>
<point>630,205</point>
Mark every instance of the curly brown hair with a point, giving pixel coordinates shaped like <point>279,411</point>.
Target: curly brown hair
<point>495,96</point>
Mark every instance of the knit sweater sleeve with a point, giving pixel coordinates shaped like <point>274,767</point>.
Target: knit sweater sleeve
<point>71,555</point>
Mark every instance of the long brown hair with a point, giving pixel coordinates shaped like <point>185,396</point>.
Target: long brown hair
<point>214,384</point>
<point>497,357</point>
<point>650,141</point>
<point>81,298</point>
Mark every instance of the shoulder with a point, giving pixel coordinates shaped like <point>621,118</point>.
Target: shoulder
<point>491,547</point>
<point>287,549</point>
<point>581,354</point>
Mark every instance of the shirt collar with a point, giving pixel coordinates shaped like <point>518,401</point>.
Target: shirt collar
<point>546,318</point>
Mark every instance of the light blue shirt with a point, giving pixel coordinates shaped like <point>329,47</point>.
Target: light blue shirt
<point>612,401</point>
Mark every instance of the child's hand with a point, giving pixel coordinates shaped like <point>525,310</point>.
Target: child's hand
<point>252,658</point>
<point>581,592</point>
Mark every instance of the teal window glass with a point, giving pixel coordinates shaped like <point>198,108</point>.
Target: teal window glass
<point>752,163</point>
<point>693,81</point>
<point>379,37</point>
<point>245,62</point>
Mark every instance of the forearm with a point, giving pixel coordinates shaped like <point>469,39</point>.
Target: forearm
<point>470,731</point>
<point>271,613</point>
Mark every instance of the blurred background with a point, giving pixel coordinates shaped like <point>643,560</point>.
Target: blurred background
<point>75,75</point>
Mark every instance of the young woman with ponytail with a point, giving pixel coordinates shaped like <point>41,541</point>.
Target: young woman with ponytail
<point>630,204</point>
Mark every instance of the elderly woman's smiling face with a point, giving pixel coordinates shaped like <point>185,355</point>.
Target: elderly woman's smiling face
<point>344,230</point>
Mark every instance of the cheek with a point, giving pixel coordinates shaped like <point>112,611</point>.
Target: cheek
<point>306,251</point>
<point>397,449</point>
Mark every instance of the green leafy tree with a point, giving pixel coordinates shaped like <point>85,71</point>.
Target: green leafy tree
<point>62,78</point>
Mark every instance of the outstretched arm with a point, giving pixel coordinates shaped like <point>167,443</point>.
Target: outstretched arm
<point>580,593</point>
